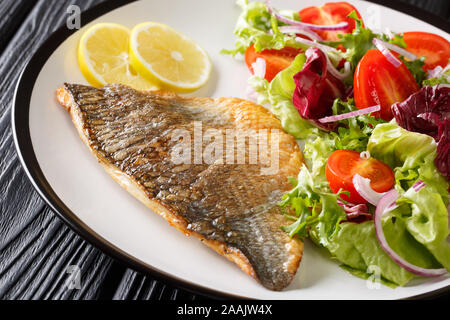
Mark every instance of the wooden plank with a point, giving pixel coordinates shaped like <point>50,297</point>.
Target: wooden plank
<point>135,286</point>
<point>13,13</point>
<point>36,248</point>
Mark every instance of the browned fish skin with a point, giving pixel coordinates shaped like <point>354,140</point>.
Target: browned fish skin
<point>231,207</point>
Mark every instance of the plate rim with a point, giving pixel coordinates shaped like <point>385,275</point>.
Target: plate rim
<point>24,147</point>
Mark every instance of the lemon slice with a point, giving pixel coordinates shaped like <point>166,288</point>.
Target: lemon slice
<point>164,56</point>
<point>103,57</point>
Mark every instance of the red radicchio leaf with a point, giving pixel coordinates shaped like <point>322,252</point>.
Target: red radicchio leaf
<point>316,89</point>
<point>428,111</point>
<point>424,110</point>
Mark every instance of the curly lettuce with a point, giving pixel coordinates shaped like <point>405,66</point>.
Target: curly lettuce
<point>253,27</point>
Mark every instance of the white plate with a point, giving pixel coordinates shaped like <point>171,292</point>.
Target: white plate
<point>70,179</point>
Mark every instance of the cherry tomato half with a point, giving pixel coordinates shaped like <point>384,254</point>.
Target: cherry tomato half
<point>276,60</point>
<point>342,165</point>
<point>434,48</point>
<point>329,14</point>
<point>377,81</point>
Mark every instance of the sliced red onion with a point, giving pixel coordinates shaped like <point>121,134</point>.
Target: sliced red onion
<point>408,55</point>
<point>300,30</point>
<point>385,204</point>
<point>385,51</point>
<point>350,207</point>
<point>393,206</point>
<point>259,67</point>
<point>330,67</point>
<point>322,47</point>
<point>437,72</point>
<point>434,73</point>
<point>335,72</point>
<point>389,33</point>
<point>350,114</point>
<point>418,185</point>
<point>339,26</point>
<point>362,186</point>
<point>355,210</point>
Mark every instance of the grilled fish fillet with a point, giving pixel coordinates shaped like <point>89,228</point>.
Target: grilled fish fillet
<point>230,207</point>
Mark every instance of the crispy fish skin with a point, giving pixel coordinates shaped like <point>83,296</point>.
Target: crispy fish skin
<point>231,208</point>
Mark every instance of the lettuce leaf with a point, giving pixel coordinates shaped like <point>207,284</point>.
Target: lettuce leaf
<point>356,246</point>
<point>252,28</point>
<point>423,214</point>
<point>435,81</point>
<point>352,133</point>
<point>358,42</point>
<point>427,222</point>
<point>416,68</point>
<point>443,79</point>
<point>411,155</point>
<point>315,207</point>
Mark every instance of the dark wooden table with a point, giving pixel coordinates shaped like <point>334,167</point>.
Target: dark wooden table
<point>36,247</point>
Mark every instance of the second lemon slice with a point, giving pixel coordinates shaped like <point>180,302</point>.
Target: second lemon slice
<point>165,56</point>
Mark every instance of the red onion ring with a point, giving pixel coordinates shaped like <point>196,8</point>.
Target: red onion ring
<point>385,204</point>
<point>330,67</point>
<point>350,114</point>
<point>339,26</point>
<point>437,72</point>
<point>335,72</point>
<point>362,186</point>
<point>434,73</point>
<point>385,51</point>
<point>389,33</point>
<point>418,185</point>
<point>399,50</point>
<point>354,211</point>
<point>320,46</point>
<point>447,67</point>
<point>300,30</point>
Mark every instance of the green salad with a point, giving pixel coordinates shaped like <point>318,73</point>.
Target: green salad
<point>372,112</point>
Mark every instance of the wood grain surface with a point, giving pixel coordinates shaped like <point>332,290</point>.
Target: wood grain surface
<point>36,247</point>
